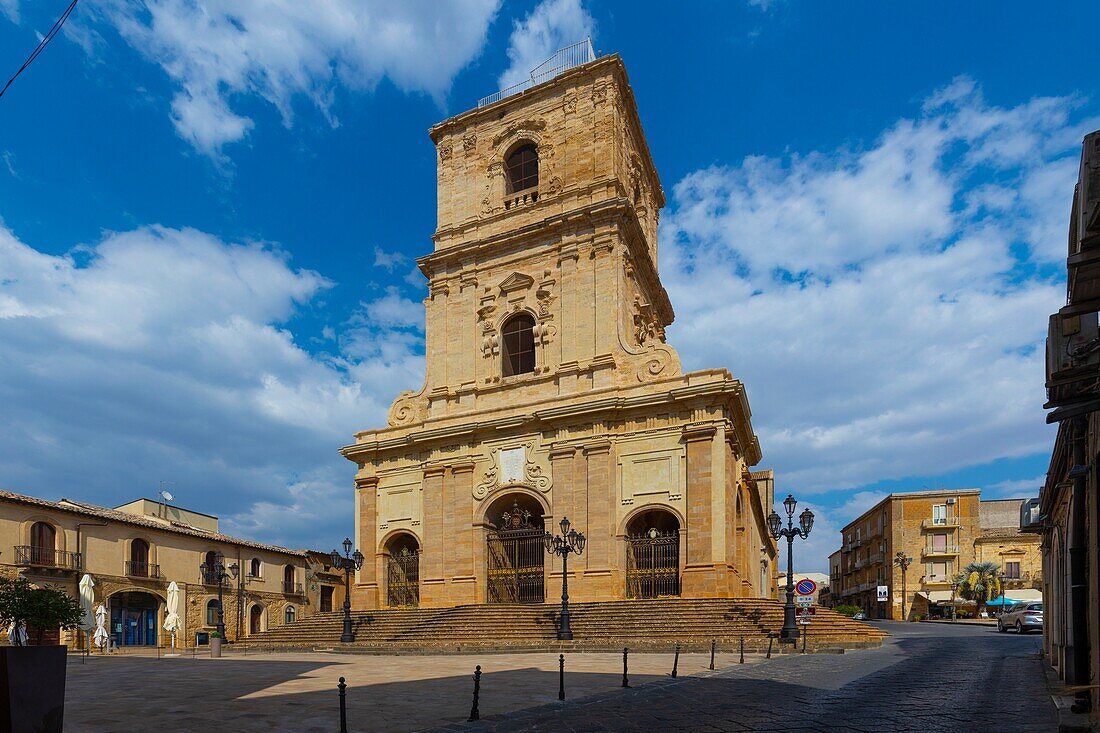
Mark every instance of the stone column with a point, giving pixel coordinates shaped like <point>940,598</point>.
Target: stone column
<point>364,591</point>
<point>597,524</point>
<point>699,579</point>
<point>463,535</point>
<point>432,593</point>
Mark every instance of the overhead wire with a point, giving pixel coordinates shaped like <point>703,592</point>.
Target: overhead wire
<point>41,45</point>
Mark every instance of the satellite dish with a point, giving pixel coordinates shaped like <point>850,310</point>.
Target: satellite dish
<point>166,496</point>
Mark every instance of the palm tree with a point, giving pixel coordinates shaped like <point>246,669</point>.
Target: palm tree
<point>980,582</point>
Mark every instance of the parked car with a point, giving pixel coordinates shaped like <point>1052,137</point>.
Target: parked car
<point>861,616</point>
<point>1023,617</point>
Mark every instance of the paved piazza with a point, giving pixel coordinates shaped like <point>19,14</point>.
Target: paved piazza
<point>925,678</point>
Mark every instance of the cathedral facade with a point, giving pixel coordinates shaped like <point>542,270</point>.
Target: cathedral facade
<point>550,390</point>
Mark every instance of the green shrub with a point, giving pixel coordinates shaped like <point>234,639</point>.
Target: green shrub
<point>847,610</point>
<point>37,609</point>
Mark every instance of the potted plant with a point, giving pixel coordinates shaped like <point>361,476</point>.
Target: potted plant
<point>32,678</point>
<point>215,645</point>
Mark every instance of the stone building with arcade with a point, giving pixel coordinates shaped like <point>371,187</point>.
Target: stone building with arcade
<point>550,389</point>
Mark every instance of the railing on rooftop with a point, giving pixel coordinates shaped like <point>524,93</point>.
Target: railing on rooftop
<point>560,62</point>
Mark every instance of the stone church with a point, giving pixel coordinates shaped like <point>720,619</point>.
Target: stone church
<point>550,390</point>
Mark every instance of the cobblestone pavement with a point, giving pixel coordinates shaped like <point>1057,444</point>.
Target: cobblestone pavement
<point>926,677</point>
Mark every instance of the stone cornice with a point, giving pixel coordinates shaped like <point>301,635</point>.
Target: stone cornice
<point>728,391</point>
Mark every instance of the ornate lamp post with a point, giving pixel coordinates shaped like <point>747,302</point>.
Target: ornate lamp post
<point>350,561</point>
<point>903,562</point>
<point>570,540</point>
<point>789,634</point>
<point>218,574</point>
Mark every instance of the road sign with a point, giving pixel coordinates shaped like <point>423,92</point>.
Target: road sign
<point>806,611</point>
<point>884,592</point>
<point>804,601</point>
<point>805,587</point>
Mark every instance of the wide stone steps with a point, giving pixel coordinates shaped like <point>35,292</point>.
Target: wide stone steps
<point>639,624</point>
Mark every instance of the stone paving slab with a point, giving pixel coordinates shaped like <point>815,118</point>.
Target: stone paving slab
<point>297,691</point>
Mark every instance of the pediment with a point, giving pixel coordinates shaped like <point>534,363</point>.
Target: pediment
<point>516,281</point>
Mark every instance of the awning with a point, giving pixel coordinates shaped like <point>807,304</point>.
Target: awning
<point>942,596</point>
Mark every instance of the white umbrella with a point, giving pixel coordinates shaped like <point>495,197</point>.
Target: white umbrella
<point>172,619</point>
<point>100,637</point>
<point>87,602</point>
<point>17,635</point>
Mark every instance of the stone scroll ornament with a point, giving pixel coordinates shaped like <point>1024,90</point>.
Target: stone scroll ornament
<point>512,467</point>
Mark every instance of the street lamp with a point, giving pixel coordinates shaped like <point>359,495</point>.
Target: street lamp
<point>350,561</point>
<point>954,590</point>
<point>570,540</point>
<point>218,574</point>
<point>789,633</point>
<point>903,562</point>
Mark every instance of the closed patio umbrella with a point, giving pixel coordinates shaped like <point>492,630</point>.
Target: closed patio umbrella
<point>17,635</point>
<point>101,636</point>
<point>172,619</point>
<point>87,602</point>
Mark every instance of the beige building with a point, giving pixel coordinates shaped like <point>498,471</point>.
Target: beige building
<point>550,390</point>
<point>943,531</point>
<point>133,552</point>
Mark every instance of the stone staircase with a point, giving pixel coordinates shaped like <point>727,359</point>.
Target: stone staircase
<point>638,624</point>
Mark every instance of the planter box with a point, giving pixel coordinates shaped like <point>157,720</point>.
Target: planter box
<point>32,689</point>
<point>215,648</point>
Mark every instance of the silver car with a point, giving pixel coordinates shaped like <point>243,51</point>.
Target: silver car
<point>1022,617</point>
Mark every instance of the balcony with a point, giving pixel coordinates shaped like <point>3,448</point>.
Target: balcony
<point>877,558</point>
<point>948,523</point>
<point>209,577</point>
<point>142,569</point>
<point>291,588</point>
<point>250,578</point>
<point>946,551</point>
<point>935,580</point>
<point>40,557</point>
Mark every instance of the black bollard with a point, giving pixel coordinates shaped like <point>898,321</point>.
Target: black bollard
<point>625,652</point>
<point>474,712</point>
<point>676,660</point>
<point>804,640</point>
<point>343,706</point>
<point>742,649</point>
<point>713,644</point>
<point>770,637</point>
<point>561,676</point>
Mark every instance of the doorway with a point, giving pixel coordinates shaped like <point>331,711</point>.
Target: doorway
<point>516,551</point>
<point>134,619</point>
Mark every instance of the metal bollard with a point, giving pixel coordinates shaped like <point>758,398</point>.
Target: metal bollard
<point>625,652</point>
<point>713,644</point>
<point>676,660</point>
<point>804,635</point>
<point>742,649</point>
<point>561,676</point>
<point>343,706</point>
<point>474,712</point>
<point>770,639</point>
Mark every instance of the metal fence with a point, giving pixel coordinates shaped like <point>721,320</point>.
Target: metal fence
<point>562,61</point>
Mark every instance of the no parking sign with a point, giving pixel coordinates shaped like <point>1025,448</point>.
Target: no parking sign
<point>805,587</point>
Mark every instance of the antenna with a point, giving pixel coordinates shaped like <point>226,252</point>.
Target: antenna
<point>166,496</point>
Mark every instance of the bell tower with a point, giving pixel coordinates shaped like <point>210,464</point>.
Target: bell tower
<point>549,390</point>
<point>543,280</point>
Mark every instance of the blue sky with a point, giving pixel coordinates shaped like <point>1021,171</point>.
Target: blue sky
<point>208,220</point>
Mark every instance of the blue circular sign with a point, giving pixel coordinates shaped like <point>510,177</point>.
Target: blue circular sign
<point>805,587</point>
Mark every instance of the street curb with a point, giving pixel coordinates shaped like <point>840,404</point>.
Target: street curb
<point>1068,721</point>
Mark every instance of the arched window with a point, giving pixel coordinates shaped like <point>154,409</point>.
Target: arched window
<point>523,169</point>
<point>43,543</point>
<point>212,612</point>
<point>254,568</point>
<point>139,558</point>
<point>518,345</point>
<point>288,579</point>
<point>289,615</point>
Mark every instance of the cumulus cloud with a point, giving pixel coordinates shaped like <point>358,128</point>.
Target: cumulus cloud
<point>217,51</point>
<point>164,354</point>
<point>886,305</point>
<point>552,25</point>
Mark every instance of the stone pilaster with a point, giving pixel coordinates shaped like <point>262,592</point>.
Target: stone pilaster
<point>431,559</point>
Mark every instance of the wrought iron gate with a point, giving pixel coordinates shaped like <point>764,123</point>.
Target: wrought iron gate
<point>403,586</point>
<point>517,556</point>
<point>653,564</point>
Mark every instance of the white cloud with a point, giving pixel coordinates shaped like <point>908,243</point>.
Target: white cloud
<point>161,354</point>
<point>388,260</point>
<point>885,306</point>
<point>1014,488</point>
<point>217,51</point>
<point>10,10</point>
<point>552,25</point>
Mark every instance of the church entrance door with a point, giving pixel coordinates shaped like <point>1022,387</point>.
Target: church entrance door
<point>653,556</point>
<point>517,554</point>
<point>403,571</point>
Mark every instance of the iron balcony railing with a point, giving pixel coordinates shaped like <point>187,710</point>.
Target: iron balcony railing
<point>559,63</point>
<point>291,588</point>
<point>945,550</point>
<point>142,569</point>
<point>209,577</point>
<point>945,523</point>
<point>42,557</point>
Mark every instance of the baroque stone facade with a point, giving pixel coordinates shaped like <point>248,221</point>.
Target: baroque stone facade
<point>600,423</point>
